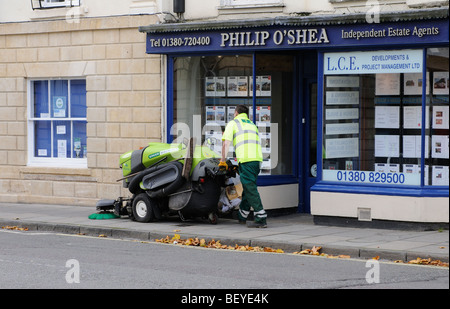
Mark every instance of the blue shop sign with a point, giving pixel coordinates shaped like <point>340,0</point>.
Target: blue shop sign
<point>294,37</point>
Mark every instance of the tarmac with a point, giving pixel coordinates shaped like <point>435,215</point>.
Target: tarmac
<point>291,233</point>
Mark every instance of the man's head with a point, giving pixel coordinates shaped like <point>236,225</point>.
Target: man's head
<point>241,109</point>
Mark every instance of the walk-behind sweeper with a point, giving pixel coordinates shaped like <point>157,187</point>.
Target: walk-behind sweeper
<point>169,179</point>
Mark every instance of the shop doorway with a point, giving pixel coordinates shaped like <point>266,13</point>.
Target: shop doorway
<point>307,144</point>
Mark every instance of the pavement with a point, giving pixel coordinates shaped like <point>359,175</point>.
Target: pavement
<point>291,233</point>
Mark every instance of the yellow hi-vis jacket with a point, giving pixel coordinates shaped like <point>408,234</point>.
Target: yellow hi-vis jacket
<point>245,137</point>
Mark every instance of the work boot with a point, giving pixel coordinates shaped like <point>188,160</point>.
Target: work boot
<point>257,224</point>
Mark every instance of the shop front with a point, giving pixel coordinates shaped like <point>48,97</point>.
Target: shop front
<point>353,116</point>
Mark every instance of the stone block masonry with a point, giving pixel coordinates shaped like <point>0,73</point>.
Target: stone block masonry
<point>123,103</point>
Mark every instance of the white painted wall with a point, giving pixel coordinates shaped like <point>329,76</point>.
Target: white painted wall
<point>20,10</point>
<point>383,207</point>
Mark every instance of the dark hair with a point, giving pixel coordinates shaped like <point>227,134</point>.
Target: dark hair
<point>242,109</point>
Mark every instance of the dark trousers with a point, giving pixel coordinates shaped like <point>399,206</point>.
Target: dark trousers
<point>248,173</point>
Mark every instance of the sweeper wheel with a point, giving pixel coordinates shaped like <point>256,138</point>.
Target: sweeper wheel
<point>143,208</point>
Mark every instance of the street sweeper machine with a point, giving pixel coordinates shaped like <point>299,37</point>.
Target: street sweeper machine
<point>170,179</point>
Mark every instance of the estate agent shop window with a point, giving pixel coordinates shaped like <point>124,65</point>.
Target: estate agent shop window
<point>373,123</point>
<point>206,90</point>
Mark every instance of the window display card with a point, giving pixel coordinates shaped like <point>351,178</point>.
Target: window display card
<point>59,106</point>
<point>415,169</point>
<point>266,85</point>
<point>412,144</point>
<point>387,145</point>
<point>342,147</point>
<point>441,83</point>
<point>342,81</point>
<point>220,86</point>
<point>62,148</point>
<point>440,117</point>
<point>342,128</point>
<point>265,142</point>
<point>412,117</point>
<point>210,114</point>
<point>387,84</point>
<point>210,86</point>
<point>412,84</point>
<point>341,113</point>
<point>387,168</point>
<point>342,97</point>
<point>61,130</point>
<point>263,115</point>
<point>439,175</point>
<point>387,117</point>
<point>220,115</point>
<point>232,86</point>
<point>439,146</point>
<point>230,113</point>
<point>242,86</point>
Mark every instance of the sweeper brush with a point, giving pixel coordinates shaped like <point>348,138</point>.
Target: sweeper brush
<point>169,179</point>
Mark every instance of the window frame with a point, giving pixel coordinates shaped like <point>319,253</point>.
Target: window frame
<point>51,161</point>
<point>420,190</point>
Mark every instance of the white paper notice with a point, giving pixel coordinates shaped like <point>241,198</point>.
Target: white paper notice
<point>440,176</point>
<point>413,83</point>
<point>411,146</point>
<point>342,128</point>
<point>387,84</point>
<point>387,117</point>
<point>412,117</point>
<point>62,148</point>
<point>342,97</point>
<point>341,113</point>
<point>439,146</point>
<point>440,83</point>
<point>387,145</point>
<point>341,147</point>
<point>440,117</point>
<point>342,81</point>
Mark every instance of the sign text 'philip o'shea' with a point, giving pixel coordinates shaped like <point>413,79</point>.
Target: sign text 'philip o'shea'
<point>295,37</point>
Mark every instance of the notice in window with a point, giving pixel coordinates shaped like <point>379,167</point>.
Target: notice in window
<point>342,81</point>
<point>263,115</point>
<point>342,97</point>
<point>441,83</point>
<point>412,117</point>
<point>387,84</point>
<point>341,147</point>
<point>59,106</point>
<point>387,117</point>
<point>440,176</point>
<point>413,82</point>
<point>387,146</point>
<point>439,146</point>
<point>62,148</point>
<point>412,146</point>
<point>440,117</point>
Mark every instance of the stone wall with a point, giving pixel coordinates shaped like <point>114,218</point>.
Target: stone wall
<point>123,100</point>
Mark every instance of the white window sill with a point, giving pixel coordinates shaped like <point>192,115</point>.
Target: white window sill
<point>80,163</point>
